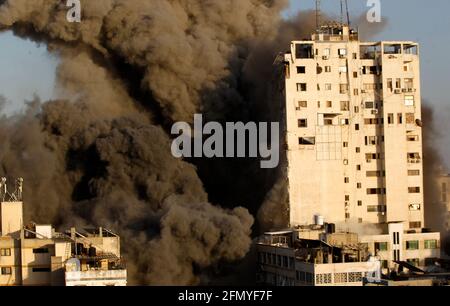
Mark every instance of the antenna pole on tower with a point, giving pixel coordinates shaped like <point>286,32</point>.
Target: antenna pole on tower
<point>318,15</point>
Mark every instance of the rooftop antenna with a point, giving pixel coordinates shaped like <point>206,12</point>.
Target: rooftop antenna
<point>318,15</point>
<point>348,13</point>
<point>344,5</point>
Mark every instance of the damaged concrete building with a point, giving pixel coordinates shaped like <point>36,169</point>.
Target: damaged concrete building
<point>37,255</point>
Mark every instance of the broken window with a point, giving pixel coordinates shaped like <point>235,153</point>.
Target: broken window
<point>301,87</point>
<point>370,52</point>
<point>307,141</point>
<point>392,49</point>
<point>302,123</point>
<point>304,51</point>
<point>301,69</point>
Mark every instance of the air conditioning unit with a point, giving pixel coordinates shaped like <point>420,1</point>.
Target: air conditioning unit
<point>375,112</point>
<point>369,161</point>
<point>342,56</point>
<point>363,91</point>
<point>325,57</point>
<point>398,91</point>
<point>404,90</point>
<point>411,90</point>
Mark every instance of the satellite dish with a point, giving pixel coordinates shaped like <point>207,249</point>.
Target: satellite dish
<point>319,70</point>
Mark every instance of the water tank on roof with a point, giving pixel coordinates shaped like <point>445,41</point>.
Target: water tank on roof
<point>319,220</point>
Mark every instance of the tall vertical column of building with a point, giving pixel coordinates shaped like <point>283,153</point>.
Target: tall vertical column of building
<point>353,130</point>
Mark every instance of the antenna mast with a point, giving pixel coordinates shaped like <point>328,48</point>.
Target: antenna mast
<point>318,15</point>
<point>344,5</point>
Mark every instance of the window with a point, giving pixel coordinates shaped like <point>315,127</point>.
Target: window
<point>375,173</point>
<point>414,207</point>
<point>327,52</point>
<point>347,198</point>
<point>381,246</point>
<point>370,86</point>
<point>398,83</point>
<point>302,123</point>
<point>318,104</point>
<point>355,55</point>
<point>359,185</point>
<point>412,138</point>
<point>304,51</point>
<point>412,245</point>
<point>357,127</point>
<point>430,262</point>
<point>346,180</point>
<point>376,209</point>
<point>409,84</point>
<point>343,69</point>
<point>345,106</point>
<point>356,109</point>
<point>360,203</point>
<point>400,118</point>
<point>347,215</point>
<point>307,141</point>
<point>369,105</point>
<point>6,271</point>
<point>301,87</point>
<point>40,251</point>
<point>358,150</point>
<point>431,244</point>
<point>413,172</point>
<point>409,100</point>
<point>376,191</point>
<point>358,167</point>
<point>414,189</point>
<point>327,68</point>
<point>38,270</point>
<point>301,70</point>
<point>390,84</point>
<point>356,91</point>
<point>328,86</point>
<point>410,118</point>
<point>355,74</point>
<point>415,224</point>
<point>390,118</point>
<point>5,252</point>
<point>343,88</point>
<point>413,158</point>
<point>342,52</point>
<point>345,144</point>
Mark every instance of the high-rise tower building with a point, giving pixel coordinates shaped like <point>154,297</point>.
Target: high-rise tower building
<point>353,130</point>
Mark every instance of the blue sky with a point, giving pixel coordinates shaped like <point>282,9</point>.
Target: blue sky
<point>26,69</point>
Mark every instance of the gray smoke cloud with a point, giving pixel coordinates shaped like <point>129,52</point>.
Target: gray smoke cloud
<point>99,155</point>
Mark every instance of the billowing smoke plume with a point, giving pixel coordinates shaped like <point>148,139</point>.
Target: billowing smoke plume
<point>100,154</point>
<point>435,210</point>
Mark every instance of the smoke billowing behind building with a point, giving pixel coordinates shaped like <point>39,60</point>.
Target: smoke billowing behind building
<point>100,155</point>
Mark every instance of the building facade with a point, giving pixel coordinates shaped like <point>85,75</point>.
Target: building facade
<point>37,255</point>
<point>353,130</point>
<point>443,182</point>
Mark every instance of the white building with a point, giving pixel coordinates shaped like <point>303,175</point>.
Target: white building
<point>37,255</point>
<point>353,130</point>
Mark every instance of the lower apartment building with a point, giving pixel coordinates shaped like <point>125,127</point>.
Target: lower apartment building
<point>316,255</point>
<point>37,255</point>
